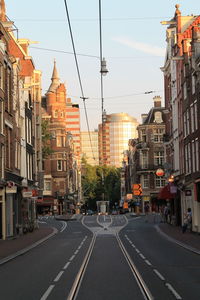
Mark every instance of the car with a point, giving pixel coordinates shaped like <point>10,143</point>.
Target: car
<point>90,212</point>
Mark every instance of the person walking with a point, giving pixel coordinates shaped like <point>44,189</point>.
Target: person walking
<point>187,221</point>
<point>146,210</point>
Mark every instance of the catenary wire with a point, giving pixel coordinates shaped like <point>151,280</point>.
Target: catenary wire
<point>79,76</point>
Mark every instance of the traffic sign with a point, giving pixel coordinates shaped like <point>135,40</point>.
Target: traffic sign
<point>137,189</point>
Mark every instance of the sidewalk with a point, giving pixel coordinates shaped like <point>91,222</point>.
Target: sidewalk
<point>188,240</point>
<point>11,248</point>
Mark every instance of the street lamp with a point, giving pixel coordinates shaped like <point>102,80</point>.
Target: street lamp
<point>104,69</point>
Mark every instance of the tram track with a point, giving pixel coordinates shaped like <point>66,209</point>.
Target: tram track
<point>80,275</point>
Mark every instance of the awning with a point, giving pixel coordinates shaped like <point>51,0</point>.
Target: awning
<point>167,192</point>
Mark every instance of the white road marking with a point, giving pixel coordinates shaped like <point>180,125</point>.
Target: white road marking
<point>141,255</point>
<point>76,252</point>
<point>158,274</point>
<point>67,265</point>
<point>48,291</point>
<point>71,258</point>
<point>64,226</point>
<point>177,296</point>
<point>58,276</point>
<point>148,262</point>
<point>138,251</point>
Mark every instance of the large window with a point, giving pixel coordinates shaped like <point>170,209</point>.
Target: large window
<point>59,165</point>
<point>30,166</point>
<point>1,161</point>
<point>145,181</point>
<point>158,158</point>
<point>197,154</point>
<point>1,116</point>
<point>144,159</point>
<point>158,135</point>
<point>1,76</point>
<point>159,181</point>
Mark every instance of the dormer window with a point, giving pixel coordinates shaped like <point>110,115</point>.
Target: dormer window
<point>158,117</point>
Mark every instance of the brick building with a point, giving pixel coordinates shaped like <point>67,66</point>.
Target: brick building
<point>62,167</point>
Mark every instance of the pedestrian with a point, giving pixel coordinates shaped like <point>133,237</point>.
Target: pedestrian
<point>187,220</point>
<point>165,213</point>
<point>146,210</point>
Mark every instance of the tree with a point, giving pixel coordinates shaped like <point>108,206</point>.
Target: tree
<point>98,181</point>
<point>46,137</point>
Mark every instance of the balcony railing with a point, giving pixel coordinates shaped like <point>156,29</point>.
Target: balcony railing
<point>148,167</point>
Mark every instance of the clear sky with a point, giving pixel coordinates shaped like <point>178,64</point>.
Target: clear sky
<point>133,45</point>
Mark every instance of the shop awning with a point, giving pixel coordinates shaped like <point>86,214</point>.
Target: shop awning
<point>167,192</point>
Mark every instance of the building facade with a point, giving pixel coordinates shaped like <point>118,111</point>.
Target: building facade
<point>90,147</point>
<point>117,130</point>
<point>181,77</point>
<point>62,166</point>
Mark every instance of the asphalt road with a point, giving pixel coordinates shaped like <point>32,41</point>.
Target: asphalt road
<point>49,270</point>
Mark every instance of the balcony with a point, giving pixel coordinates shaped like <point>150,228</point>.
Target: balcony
<point>148,167</point>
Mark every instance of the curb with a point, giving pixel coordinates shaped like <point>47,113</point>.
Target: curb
<point>187,247</point>
<point>23,251</point>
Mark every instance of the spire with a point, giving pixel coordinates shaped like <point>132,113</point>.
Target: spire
<point>55,79</point>
<point>2,11</point>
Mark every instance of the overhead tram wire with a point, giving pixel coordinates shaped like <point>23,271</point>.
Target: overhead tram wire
<point>79,76</point>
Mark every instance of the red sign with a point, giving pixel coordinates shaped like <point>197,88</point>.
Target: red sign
<point>160,172</point>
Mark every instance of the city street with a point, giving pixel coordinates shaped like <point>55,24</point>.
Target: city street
<point>102,257</point>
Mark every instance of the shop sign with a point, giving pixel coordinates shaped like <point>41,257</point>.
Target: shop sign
<point>11,190</point>
<point>188,193</point>
<point>27,194</point>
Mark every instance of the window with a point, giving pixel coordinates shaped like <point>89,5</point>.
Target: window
<point>145,181</point>
<point>186,159</point>
<point>159,181</point>
<point>30,166</point>
<point>185,124</point>
<point>158,135</point>
<point>55,114</point>
<point>144,159</point>
<point>195,115</point>
<point>1,116</point>
<point>28,131</point>
<point>192,117</point>
<point>188,121</point>
<point>1,161</point>
<point>1,76</point>
<point>193,157</point>
<point>197,154</point>
<point>193,84</point>
<point>189,158</point>
<point>158,158</point>
<point>143,135</point>
<point>185,91</point>
<point>59,165</point>
<point>8,148</point>
<point>17,155</point>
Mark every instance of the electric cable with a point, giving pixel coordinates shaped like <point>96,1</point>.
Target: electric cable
<point>79,76</point>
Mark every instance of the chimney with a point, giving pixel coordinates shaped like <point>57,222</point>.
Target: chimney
<point>157,101</point>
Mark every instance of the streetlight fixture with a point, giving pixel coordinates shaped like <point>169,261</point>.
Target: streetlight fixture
<point>104,69</point>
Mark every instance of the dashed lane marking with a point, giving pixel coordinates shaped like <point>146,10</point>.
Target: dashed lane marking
<point>58,276</point>
<point>48,291</point>
<point>158,274</point>
<point>71,258</point>
<point>148,262</point>
<point>66,265</point>
<point>174,292</point>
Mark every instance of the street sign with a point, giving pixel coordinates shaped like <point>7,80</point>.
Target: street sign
<point>137,189</point>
